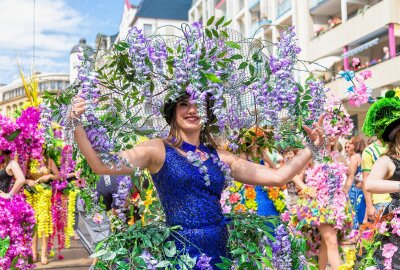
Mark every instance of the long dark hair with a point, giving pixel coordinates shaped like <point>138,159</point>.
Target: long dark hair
<point>394,146</point>
<point>206,137</point>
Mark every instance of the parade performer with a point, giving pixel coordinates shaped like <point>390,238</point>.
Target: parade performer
<point>323,211</point>
<point>16,216</point>
<point>39,174</point>
<point>381,242</point>
<point>187,199</point>
<point>198,83</point>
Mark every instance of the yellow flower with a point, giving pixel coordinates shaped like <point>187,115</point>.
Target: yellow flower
<point>350,258</point>
<point>397,90</point>
<point>236,187</point>
<point>149,198</point>
<point>251,204</point>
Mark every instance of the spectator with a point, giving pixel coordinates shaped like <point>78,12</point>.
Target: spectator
<point>374,202</point>
<point>386,53</point>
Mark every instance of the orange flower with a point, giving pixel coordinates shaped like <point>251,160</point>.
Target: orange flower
<point>250,193</point>
<point>239,208</point>
<point>273,193</point>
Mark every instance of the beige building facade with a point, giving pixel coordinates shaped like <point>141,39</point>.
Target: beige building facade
<point>12,95</point>
<point>330,33</point>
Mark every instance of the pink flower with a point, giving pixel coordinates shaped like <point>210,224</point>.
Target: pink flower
<point>226,209</point>
<point>366,74</point>
<point>234,198</point>
<point>355,61</point>
<point>285,216</point>
<point>388,250</point>
<point>98,218</point>
<point>382,227</point>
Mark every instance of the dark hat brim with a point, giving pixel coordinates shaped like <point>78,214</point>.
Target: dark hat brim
<point>388,129</point>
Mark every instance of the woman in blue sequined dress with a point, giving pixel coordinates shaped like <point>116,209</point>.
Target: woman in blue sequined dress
<point>189,199</point>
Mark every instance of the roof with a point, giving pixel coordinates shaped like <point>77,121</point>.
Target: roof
<point>164,9</point>
<point>82,44</point>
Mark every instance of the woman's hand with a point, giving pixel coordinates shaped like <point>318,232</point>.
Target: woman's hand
<point>78,107</point>
<point>31,182</point>
<point>44,178</point>
<point>316,134</point>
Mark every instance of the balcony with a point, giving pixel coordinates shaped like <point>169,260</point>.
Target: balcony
<point>383,74</point>
<point>324,7</point>
<point>357,28</point>
<point>284,6</point>
<point>256,27</point>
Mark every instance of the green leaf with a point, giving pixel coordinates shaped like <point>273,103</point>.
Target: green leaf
<point>13,135</point>
<point>208,33</point>
<point>221,20</point>
<point>210,21</point>
<point>232,45</point>
<point>236,57</point>
<point>215,33</point>
<point>224,33</point>
<point>4,245</point>
<point>251,69</point>
<point>243,65</point>
<point>227,23</point>
<point>119,47</point>
<point>163,264</point>
<point>108,256</point>
<point>212,78</point>
<point>98,254</point>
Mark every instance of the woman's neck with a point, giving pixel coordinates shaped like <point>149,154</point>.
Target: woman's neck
<point>193,138</point>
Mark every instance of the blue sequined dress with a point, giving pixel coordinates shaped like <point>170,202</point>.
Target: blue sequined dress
<point>189,202</point>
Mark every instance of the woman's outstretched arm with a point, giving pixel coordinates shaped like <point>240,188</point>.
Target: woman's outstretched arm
<point>147,155</point>
<point>255,174</point>
<point>376,182</point>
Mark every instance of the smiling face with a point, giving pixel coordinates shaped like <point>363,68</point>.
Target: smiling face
<point>186,117</point>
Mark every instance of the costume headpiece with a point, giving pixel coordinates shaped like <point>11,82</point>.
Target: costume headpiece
<point>383,117</point>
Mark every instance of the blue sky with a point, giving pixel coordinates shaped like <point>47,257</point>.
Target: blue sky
<point>59,26</point>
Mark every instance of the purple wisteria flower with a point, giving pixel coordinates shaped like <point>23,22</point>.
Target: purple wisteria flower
<point>203,262</point>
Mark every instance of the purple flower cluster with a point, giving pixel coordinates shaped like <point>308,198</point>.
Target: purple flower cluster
<point>203,262</point>
<point>97,134</point>
<point>17,220</point>
<point>316,105</point>
<point>122,195</point>
<point>281,249</point>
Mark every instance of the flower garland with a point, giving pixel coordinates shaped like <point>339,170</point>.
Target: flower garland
<point>239,198</point>
<point>59,214</point>
<point>40,200</point>
<point>17,221</point>
<point>277,196</point>
<point>69,229</point>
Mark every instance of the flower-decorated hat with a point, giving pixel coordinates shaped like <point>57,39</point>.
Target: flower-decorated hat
<point>383,117</point>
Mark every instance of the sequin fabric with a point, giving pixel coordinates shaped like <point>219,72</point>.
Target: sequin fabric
<point>5,181</point>
<point>188,202</point>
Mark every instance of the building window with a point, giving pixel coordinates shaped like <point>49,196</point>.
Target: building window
<point>147,30</point>
<point>60,85</point>
<point>53,85</point>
